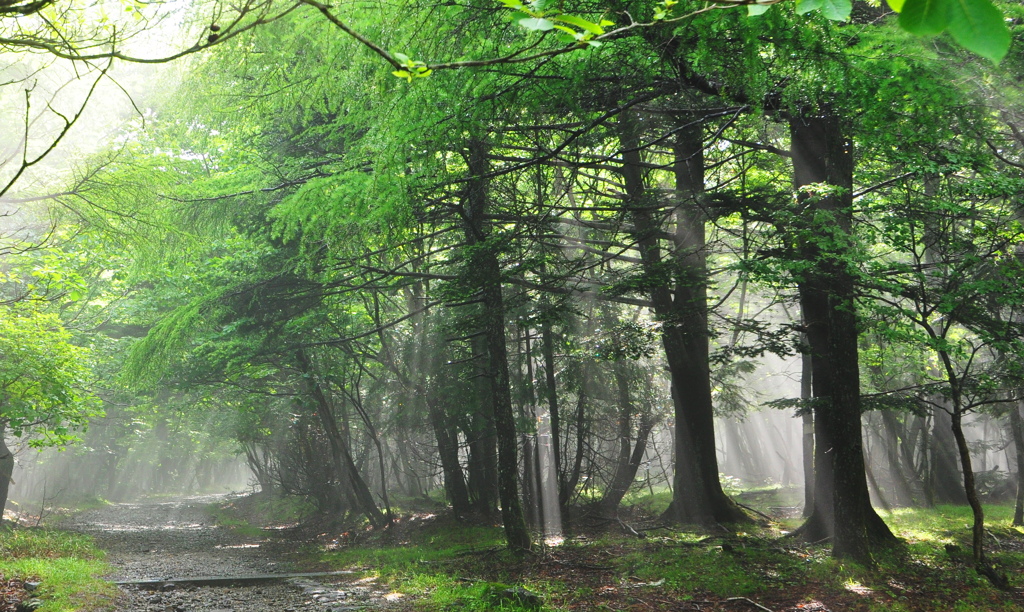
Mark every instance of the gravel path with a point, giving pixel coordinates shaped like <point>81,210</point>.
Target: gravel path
<point>173,540</point>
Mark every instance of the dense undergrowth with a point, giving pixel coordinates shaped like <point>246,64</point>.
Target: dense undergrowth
<point>441,564</point>
<point>62,570</point>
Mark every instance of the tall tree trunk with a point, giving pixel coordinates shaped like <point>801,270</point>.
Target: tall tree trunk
<point>547,348</point>
<point>6,468</point>
<point>681,304</point>
<point>821,154</point>
<point>807,422</point>
<point>1017,429</point>
<point>486,272</point>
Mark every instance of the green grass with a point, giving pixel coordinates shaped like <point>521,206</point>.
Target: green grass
<point>450,566</point>
<point>66,565</point>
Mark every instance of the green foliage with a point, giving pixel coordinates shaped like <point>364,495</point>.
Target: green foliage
<point>43,378</point>
<point>976,25</point>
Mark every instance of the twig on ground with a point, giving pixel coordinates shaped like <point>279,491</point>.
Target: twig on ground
<point>751,602</point>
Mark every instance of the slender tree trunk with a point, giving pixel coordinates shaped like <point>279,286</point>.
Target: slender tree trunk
<point>551,392</point>
<point>821,154</point>
<point>1017,429</point>
<point>630,453</point>
<point>947,487</point>
<point>6,468</point>
<point>351,480</point>
<point>486,271</point>
<point>807,422</point>
<point>572,478</point>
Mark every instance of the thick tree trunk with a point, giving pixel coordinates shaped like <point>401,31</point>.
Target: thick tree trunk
<point>821,154</point>
<point>572,478</point>
<point>681,304</point>
<point>486,272</point>
<point>448,452</point>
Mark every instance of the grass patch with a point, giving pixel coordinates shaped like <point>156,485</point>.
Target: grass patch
<point>448,566</point>
<point>66,565</point>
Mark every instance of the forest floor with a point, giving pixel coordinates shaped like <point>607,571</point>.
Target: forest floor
<point>639,564</point>
<point>429,561</point>
<point>171,541</point>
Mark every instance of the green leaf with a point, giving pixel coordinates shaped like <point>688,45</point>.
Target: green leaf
<point>896,5</point>
<point>757,9</point>
<point>514,5</point>
<point>978,26</point>
<point>536,23</point>
<point>583,24</point>
<point>806,6</point>
<point>837,10</point>
<point>925,17</point>
<point>401,57</point>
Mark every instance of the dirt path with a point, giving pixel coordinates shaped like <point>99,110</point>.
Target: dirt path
<point>175,540</point>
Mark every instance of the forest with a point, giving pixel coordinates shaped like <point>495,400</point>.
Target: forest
<point>747,270</point>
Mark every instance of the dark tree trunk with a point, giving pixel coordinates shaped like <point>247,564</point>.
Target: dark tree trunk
<point>807,422</point>
<point>551,391</point>
<point>821,154</point>
<point>1017,429</point>
<point>946,485</point>
<point>572,478</point>
<point>630,454</point>
<point>681,304</point>
<point>351,480</point>
<point>6,469</point>
<point>486,272</point>
<point>448,452</point>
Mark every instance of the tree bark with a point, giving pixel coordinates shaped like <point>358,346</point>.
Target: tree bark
<point>630,453</point>
<point>351,480</point>
<point>680,303</point>
<point>6,469</point>
<point>486,272</point>
<point>822,155</point>
<point>1017,429</point>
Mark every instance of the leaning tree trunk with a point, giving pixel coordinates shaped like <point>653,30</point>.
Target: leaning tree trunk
<point>822,155</point>
<point>341,455</point>
<point>486,272</point>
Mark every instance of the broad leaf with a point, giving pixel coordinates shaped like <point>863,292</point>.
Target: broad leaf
<point>757,9</point>
<point>978,26</point>
<point>536,23</point>
<point>837,10</point>
<point>925,17</point>
<point>806,6</point>
<point>583,24</point>
<point>896,5</point>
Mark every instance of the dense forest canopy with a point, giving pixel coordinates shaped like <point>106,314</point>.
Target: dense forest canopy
<point>511,254</point>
